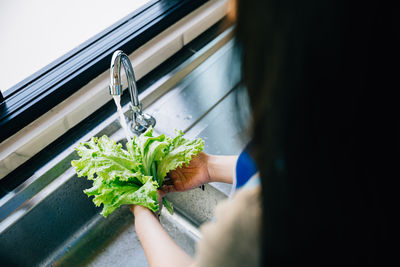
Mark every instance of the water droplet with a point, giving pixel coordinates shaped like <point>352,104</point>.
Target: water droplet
<point>187,117</point>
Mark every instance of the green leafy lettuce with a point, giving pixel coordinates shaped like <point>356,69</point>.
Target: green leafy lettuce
<point>132,176</point>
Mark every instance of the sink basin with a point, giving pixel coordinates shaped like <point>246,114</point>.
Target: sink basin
<point>49,221</point>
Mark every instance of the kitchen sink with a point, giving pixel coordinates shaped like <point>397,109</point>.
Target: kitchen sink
<point>48,220</point>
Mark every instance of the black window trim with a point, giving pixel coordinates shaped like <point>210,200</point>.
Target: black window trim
<point>37,94</point>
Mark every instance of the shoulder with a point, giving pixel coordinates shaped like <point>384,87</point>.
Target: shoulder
<point>233,239</point>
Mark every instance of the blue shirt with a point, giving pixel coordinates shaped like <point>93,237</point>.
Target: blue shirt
<point>246,172</point>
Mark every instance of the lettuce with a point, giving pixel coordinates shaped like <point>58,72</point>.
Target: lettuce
<point>132,176</point>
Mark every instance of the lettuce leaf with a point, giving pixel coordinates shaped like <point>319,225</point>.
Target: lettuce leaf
<point>132,176</point>
<point>168,205</point>
<point>180,152</point>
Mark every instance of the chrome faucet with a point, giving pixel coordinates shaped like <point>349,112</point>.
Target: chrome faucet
<point>139,120</point>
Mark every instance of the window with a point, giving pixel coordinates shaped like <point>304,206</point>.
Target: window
<point>36,33</point>
<point>35,95</point>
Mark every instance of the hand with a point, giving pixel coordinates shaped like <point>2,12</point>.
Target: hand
<point>137,209</point>
<point>188,177</point>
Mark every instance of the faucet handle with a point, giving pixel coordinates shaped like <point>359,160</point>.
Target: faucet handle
<point>140,121</point>
<point>136,108</point>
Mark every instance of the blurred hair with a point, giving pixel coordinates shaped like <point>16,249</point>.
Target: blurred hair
<point>309,68</point>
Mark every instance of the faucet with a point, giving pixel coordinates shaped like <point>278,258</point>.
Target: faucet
<point>139,121</point>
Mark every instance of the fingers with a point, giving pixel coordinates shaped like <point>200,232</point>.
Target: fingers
<point>160,196</point>
<point>168,181</point>
<point>173,174</point>
<point>165,189</point>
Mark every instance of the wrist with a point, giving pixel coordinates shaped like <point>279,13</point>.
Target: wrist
<point>208,168</point>
<point>211,168</point>
<point>221,168</point>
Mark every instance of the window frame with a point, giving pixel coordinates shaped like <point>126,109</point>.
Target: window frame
<point>37,94</point>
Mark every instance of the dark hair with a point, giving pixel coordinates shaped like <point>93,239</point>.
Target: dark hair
<point>309,67</point>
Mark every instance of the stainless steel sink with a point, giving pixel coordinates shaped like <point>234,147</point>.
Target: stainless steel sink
<point>49,221</point>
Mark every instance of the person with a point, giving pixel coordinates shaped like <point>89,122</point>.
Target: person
<point>313,71</point>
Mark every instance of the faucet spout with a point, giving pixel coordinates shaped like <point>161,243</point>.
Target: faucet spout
<point>140,121</point>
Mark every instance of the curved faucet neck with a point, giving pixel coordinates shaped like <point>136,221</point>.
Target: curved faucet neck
<point>120,58</point>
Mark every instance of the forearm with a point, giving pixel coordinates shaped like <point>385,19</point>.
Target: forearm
<point>158,246</point>
<point>221,168</point>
